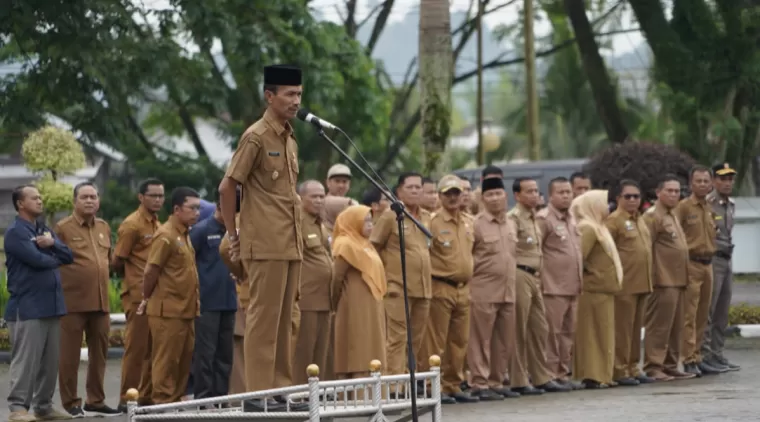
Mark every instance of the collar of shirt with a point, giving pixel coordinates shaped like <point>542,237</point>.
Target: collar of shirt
<point>502,217</point>
<point>30,225</point>
<point>147,214</point>
<point>177,225</point>
<point>714,196</point>
<point>447,215</point>
<point>564,216</point>
<point>693,198</point>
<point>527,211</point>
<point>316,218</point>
<point>283,131</point>
<point>90,222</point>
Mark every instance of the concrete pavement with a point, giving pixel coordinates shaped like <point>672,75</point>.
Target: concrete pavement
<point>724,398</point>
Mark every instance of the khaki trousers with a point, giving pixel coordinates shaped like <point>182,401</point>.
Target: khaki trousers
<point>96,327</point>
<point>447,333</point>
<point>271,326</point>
<point>663,322</point>
<point>136,363</point>
<point>531,333</point>
<point>629,317</point>
<point>312,344</point>
<point>237,376</point>
<point>696,310</point>
<point>561,319</point>
<point>395,319</point>
<point>491,344</point>
<point>173,344</point>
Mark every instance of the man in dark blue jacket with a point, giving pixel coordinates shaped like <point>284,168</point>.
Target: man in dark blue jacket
<point>33,255</point>
<point>214,329</point>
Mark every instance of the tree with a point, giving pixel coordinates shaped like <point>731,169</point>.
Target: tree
<point>435,79</point>
<point>52,153</point>
<point>707,70</point>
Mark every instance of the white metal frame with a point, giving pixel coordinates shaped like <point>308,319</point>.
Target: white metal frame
<point>326,399</point>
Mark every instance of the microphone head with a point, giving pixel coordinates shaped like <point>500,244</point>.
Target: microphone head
<point>302,113</point>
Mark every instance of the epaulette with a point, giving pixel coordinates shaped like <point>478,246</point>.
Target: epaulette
<point>433,214</point>
<point>543,213</point>
<point>650,209</point>
<point>259,128</point>
<point>513,212</point>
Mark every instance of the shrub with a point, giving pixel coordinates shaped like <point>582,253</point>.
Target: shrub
<point>743,314</point>
<point>114,294</point>
<point>115,339</point>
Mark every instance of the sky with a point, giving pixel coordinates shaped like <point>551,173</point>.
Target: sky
<point>622,43</point>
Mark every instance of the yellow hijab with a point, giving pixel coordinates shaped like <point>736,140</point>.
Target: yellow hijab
<point>591,209</point>
<point>351,245</point>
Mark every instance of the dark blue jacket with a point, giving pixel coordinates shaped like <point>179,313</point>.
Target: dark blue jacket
<point>34,282</point>
<point>217,287</point>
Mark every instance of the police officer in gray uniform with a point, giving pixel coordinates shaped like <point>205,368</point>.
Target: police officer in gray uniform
<point>723,214</point>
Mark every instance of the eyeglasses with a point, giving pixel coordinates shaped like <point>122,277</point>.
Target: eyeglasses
<point>630,196</point>
<point>154,195</point>
<point>192,207</point>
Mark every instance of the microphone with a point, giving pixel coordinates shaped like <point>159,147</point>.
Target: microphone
<point>304,115</point>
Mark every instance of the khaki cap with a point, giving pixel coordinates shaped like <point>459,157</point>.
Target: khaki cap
<point>449,182</point>
<point>338,170</point>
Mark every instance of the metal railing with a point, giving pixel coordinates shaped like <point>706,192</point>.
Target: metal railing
<point>374,397</point>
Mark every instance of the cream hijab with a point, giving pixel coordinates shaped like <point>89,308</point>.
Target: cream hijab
<point>590,210</point>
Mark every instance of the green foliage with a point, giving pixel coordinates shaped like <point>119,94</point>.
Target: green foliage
<point>56,196</point>
<point>4,295</point>
<point>743,314</point>
<point>52,150</point>
<point>114,296</point>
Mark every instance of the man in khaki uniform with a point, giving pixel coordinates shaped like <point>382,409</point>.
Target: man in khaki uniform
<point>314,334</point>
<point>448,328</point>
<point>430,199</point>
<point>561,275</point>
<point>466,201</point>
<point>133,241</point>
<point>385,238</point>
<point>85,291</point>
<point>171,298</point>
<point>634,245</point>
<point>580,183</point>
<point>530,316</point>
<point>723,208</point>
<point>489,172</point>
<point>663,317</point>
<point>270,245</point>
<point>695,216</point>
<point>492,295</point>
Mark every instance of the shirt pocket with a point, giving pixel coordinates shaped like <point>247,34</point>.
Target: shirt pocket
<point>312,241</point>
<point>104,245</point>
<point>491,244</point>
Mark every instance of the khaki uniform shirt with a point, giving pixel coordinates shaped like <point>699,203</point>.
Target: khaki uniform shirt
<point>723,216</point>
<point>562,269</point>
<point>176,294</point>
<point>385,238</point>
<point>85,282</point>
<point>451,249</point>
<point>266,165</point>
<point>316,270</point>
<point>133,241</point>
<point>599,273</point>
<point>670,253</point>
<point>528,237</point>
<point>697,222</point>
<point>494,251</point>
<point>634,245</point>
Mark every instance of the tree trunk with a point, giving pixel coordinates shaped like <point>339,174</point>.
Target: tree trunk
<point>436,69</point>
<point>596,70</point>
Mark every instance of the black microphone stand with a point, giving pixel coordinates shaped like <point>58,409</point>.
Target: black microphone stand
<point>401,212</point>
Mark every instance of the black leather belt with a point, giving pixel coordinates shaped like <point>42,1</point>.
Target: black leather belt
<point>724,255</point>
<point>530,270</point>
<point>449,281</point>
<point>701,259</point>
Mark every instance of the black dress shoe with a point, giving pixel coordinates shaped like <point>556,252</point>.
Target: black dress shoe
<point>464,386</point>
<point>643,379</point>
<point>447,399</point>
<point>258,405</point>
<point>594,385</point>
<point>528,391</point>
<point>692,368</point>
<point>553,387</point>
<point>724,362</point>
<point>465,398</point>
<point>627,382</point>
<point>506,392</point>
<point>486,395</point>
<point>708,369</point>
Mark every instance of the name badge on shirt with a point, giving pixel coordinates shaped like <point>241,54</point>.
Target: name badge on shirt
<point>273,153</point>
<point>213,237</point>
<point>76,239</point>
<point>311,236</point>
<point>529,240</point>
<point>628,225</point>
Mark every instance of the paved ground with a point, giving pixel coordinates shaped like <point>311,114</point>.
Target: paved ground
<point>724,398</point>
<point>746,292</point>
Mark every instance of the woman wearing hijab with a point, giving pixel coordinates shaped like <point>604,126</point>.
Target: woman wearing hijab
<point>357,290</point>
<point>594,348</point>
